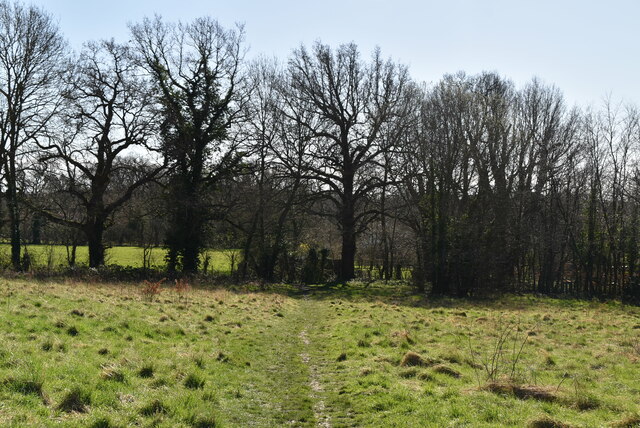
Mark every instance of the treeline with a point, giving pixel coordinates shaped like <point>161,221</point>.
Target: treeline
<point>328,164</point>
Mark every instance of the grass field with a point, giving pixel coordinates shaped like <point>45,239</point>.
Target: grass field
<point>56,255</point>
<point>73,354</point>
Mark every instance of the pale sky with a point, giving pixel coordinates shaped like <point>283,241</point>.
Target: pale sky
<point>589,49</point>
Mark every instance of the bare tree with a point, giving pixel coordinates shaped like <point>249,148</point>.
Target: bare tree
<point>102,153</point>
<point>32,53</point>
<point>346,102</point>
<point>271,193</point>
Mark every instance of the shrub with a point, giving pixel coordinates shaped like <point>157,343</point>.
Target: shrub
<point>502,360</point>
<point>182,286</point>
<point>152,289</point>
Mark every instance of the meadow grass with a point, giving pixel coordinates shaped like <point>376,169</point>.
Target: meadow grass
<point>105,355</point>
<point>127,256</point>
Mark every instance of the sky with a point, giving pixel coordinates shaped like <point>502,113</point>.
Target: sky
<point>589,49</point>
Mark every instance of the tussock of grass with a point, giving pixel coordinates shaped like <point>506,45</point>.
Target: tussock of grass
<point>446,370</point>
<point>155,407</point>
<point>366,371</point>
<point>102,423</point>
<point>522,392</point>
<point>199,361</point>
<point>206,421</point>
<point>194,381</point>
<point>75,400</point>
<point>159,383</point>
<point>547,422</point>
<point>25,386</point>
<point>425,376</point>
<point>403,335</point>
<point>112,373</point>
<point>409,373</point>
<point>632,421</point>
<point>414,359</point>
<point>146,372</point>
<point>585,402</point>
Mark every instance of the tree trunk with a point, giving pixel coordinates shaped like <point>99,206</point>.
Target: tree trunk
<point>347,222</point>
<point>348,254</point>
<point>14,219</point>
<point>94,233</point>
<point>190,256</point>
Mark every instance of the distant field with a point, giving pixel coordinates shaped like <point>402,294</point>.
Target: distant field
<point>220,260</point>
<point>101,355</point>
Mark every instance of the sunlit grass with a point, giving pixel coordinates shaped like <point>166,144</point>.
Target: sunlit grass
<point>127,256</point>
<point>81,354</point>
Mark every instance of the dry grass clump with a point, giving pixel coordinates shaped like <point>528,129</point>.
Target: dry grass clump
<point>181,286</point>
<point>414,359</point>
<point>111,372</point>
<point>632,421</point>
<point>403,335</point>
<point>365,371</point>
<point>446,370</point>
<point>522,392</point>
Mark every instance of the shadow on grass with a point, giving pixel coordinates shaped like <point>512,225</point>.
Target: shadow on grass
<point>401,293</point>
<point>398,293</point>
